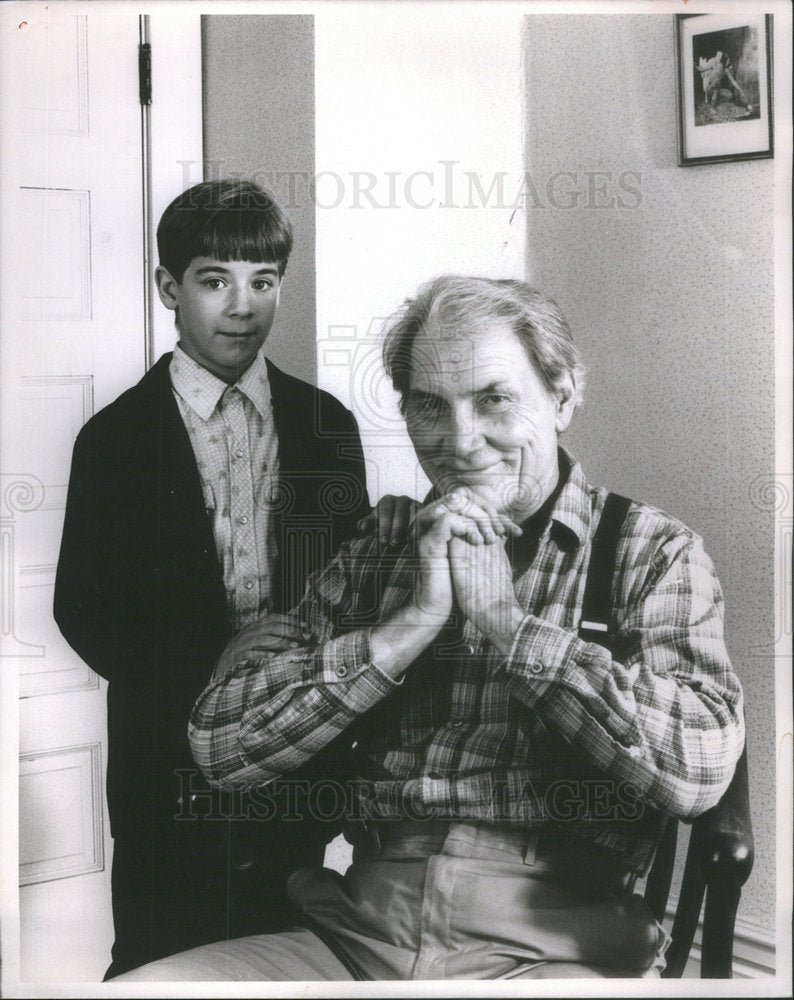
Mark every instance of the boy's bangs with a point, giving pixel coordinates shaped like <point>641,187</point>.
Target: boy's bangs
<point>233,236</point>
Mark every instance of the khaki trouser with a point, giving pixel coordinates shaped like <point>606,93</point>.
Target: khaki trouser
<point>432,900</point>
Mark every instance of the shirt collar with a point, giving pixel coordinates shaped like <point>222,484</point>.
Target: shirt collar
<point>573,510</point>
<point>254,384</point>
<point>202,390</point>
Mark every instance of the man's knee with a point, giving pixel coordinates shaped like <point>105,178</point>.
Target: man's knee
<point>295,955</point>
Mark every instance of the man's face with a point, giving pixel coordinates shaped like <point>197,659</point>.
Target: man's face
<point>480,417</point>
<point>224,311</point>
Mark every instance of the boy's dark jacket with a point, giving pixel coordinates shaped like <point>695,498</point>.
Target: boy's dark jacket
<point>139,591</point>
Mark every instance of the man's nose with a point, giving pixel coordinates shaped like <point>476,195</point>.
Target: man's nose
<point>463,435</point>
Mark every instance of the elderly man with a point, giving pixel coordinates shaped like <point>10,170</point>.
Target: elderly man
<point>517,753</point>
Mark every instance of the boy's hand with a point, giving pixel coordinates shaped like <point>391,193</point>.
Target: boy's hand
<point>272,634</point>
<point>391,520</point>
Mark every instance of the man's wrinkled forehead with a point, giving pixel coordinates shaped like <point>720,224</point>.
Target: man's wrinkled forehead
<point>459,353</point>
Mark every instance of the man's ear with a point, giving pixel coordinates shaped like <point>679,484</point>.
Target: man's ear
<point>167,288</point>
<point>566,401</point>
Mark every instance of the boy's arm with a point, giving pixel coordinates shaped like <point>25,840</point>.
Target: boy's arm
<point>348,457</point>
<point>93,606</point>
<point>78,584</point>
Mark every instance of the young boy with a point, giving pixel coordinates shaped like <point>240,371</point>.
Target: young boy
<point>199,500</point>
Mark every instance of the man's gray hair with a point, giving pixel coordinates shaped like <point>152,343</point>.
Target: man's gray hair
<point>460,305</point>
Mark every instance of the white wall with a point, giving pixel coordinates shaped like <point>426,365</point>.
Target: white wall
<point>415,109</point>
<point>672,300</point>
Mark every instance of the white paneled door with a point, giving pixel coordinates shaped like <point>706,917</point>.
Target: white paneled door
<point>73,337</point>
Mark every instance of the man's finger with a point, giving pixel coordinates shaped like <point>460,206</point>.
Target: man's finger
<point>458,526</point>
<point>491,522</point>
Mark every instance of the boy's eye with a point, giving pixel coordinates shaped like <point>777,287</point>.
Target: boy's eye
<point>261,284</point>
<point>213,283</point>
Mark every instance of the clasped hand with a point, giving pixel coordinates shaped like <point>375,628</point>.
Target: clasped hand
<point>462,556</point>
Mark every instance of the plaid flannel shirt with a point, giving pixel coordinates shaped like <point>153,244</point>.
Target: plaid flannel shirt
<point>561,733</point>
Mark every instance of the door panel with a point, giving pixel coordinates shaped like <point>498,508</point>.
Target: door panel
<point>72,320</point>
<point>74,333</point>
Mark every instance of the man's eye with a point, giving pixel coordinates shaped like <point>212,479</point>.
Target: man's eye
<point>426,410</point>
<point>494,401</point>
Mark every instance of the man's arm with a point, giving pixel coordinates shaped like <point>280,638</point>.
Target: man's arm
<point>265,715</point>
<point>666,715</point>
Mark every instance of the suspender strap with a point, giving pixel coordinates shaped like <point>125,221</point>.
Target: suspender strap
<point>597,605</point>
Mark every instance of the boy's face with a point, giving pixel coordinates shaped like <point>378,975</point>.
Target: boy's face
<point>224,311</point>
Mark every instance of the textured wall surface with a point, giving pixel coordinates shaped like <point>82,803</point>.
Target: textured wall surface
<point>259,122</point>
<point>666,276</point>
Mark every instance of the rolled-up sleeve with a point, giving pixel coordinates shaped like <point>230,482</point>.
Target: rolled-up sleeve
<point>663,709</point>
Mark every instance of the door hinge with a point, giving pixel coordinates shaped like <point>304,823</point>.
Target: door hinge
<point>145,72</point>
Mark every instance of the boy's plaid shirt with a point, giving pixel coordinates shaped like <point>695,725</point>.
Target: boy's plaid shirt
<point>557,735</point>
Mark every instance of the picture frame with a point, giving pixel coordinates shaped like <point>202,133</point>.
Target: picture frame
<point>724,87</point>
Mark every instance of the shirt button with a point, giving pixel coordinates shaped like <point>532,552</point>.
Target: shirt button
<point>470,649</point>
<point>249,584</point>
<point>635,752</point>
<point>457,722</point>
<point>537,668</point>
<point>239,453</point>
<point>242,519</point>
<point>341,670</point>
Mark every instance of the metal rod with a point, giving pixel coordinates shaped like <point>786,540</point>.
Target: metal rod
<point>144,63</point>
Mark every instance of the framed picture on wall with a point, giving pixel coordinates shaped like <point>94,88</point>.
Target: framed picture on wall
<point>724,74</point>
